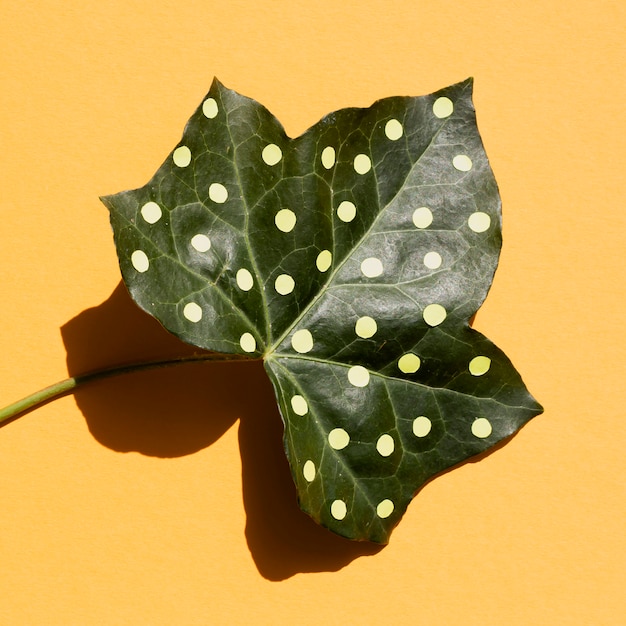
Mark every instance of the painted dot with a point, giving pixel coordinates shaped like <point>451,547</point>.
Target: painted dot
<point>218,193</point>
<point>247,342</point>
<point>409,363</point>
<point>421,426</point>
<point>358,376</point>
<point>434,314</point>
<point>479,365</point>
<point>201,243</point>
<point>285,220</point>
<point>481,428</point>
<point>192,312</point>
<point>362,164</point>
<point>284,284</point>
<point>443,107</point>
<point>151,212</point>
<point>365,327</point>
<point>324,260</point>
<point>244,279</point>
<point>338,509</point>
<point>209,108</point>
<point>384,509</point>
<point>432,260</point>
<point>302,341</point>
<point>338,438</point>
<point>299,405</point>
<point>308,471</point>
<point>479,222</point>
<point>462,163</point>
<point>346,211</point>
<point>385,445</point>
<point>272,154</point>
<point>372,267</point>
<point>328,157</point>
<point>393,130</point>
<point>140,262</point>
<point>422,217</point>
<point>182,156</point>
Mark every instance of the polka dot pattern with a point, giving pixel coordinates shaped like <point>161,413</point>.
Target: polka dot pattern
<point>247,342</point>
<point>481,428</point>
<point>299,405</point>
<point>346,211</point>
<point>209,108</point>
<point>193,312</point>
<point>422,217</point>
<point>328,157</point>
<point>385,509</point>
<point>393,130</point>
<point>151,212</point>
<point>324,260</point>
<point>358,376</point>
<point>284,284</point>
<point>434,314</point>
<point>140,261</point>
<point>338,438</point>
<point>285,220</point>
<point>432,260</point>
<point>372,267</point>
<point>362,164</point>
<point>182,156</point>
<point>385,445</point>
<point>218,193</point>
<point>422,426</point>
<point>409,363</point>
<point>479,365</point>
<point>201,243</point>
<point>244,279</point>
<point>338,509</point>
<point>479,222</point>
<point>462,163</point>
<point>302,341</point>
<point>309,471</point>
<point>443,107</point>
<point>365,327</point>
<point>272,154</point>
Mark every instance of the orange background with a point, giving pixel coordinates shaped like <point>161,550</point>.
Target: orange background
<point>163,498</point>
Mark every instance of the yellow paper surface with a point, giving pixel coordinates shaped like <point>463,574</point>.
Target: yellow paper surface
<point>164,498</point>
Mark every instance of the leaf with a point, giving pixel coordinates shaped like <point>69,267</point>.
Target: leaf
<point>350,259</point>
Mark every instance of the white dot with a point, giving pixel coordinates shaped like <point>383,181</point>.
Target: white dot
<point>481,428</point>
<point>338,509</point>
<point>201,243</point>
<point>218,193</point>
<point>409,363</point>
<point>192,312</point>
<point>338,438</point>
<point>365,327</point>
<point>244,278</point>
<point>432,260</point>
<point>324,260</point>
<point>462,163</point>
<point>384,509</point>
<point>328,157</point>
<point>422,217</point>
<point>479,222</point>
<point>302,341</point>
<point>421,426</point>
<point>346,211</point>
<point>393,130</point>
<point>209,108</point>
<point>362,164</point>
<point>284,284</point>
<point>151,212</point>
<point>299,405</point>
<point>372,267</point>
<point>285,220</point>
<point>385,445</point>
<point>443,107</point>
<point>140,261</point>
<point>247,342</point>
<point>479,365</point>
<point>358,376</point>
<point>272,154</point>
<point>308,471</point>
<point>182,156</point>
<point>434,314</point>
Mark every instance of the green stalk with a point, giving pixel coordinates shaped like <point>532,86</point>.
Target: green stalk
<point>67,386</point>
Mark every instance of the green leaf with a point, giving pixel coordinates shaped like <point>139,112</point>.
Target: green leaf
<point>350,259</point>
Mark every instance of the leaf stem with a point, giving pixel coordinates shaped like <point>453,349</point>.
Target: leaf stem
<point>67,386</point>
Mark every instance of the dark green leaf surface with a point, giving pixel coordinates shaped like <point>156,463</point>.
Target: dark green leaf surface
<point>350,259</point>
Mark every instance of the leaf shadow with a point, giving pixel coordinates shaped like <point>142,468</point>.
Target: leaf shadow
<point>177,411</point>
